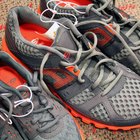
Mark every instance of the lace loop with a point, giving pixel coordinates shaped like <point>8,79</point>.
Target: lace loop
<point>36,115</point>
<point>51,19</point>
<point>28,100</point>
<point>67,4</point>
<point>55,12</point>
<point>9,122</point>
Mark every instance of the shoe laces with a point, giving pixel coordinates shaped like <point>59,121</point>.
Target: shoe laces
<point>40,115</point>
<point>69,10</point>
<point>73,12</point>
<point>105,22</point>
<point>116,30</point>
<point>78,64</point>
<point>130,32</point>
<point>136,23</point>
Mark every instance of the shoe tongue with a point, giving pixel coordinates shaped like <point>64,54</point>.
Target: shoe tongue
<point>64,39</point>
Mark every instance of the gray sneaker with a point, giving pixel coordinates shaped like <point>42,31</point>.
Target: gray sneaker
<point>40,117</point>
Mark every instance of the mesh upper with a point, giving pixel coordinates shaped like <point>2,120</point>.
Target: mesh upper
<point>126,102</point>
<point>82,97</point>
<point>100,113</point>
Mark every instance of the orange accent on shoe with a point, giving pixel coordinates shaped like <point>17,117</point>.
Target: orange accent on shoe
<point>105,36</point>
<point>66,55</point>
<point>82,2</point>
<point>32,31</point>
<point>7,74</point>
<point>89,121</point>
<point>71,69</point>
<point>27,29</point>
<point>59,81</point>
<point>5,48</point>
<point>10,76</point>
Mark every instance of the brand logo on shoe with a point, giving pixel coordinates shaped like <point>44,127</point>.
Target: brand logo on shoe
<point>37,41</point>
<point>67,55</point>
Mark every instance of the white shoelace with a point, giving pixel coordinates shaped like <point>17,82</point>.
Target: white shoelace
<point>23,101</point>
<point>55,12</point>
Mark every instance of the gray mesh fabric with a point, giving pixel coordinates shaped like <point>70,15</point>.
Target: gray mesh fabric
<point>69,131</point>
<point>126,102</point>
<point>82,97</point>
<point>100,113</point>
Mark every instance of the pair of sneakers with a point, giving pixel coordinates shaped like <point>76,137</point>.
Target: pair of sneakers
<point>70,67</point>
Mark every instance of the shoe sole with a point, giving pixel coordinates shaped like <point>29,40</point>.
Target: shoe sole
<point>95,123</point>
